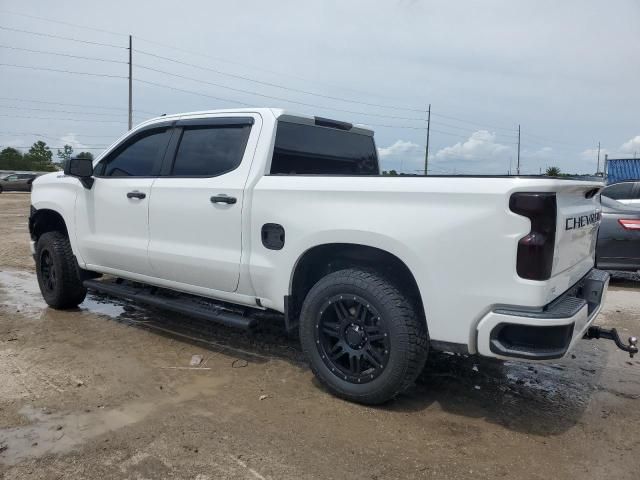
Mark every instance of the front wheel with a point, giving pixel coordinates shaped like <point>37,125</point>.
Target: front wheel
<point>57,271</point>
<point>362,336</point>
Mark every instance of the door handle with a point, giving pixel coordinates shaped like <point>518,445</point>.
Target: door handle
<point>223,199</point>
<point>136,194</point>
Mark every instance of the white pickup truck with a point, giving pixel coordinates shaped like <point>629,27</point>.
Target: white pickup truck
<point>259,209</point>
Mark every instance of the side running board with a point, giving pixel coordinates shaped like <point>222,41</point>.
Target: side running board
<point>184,304</point>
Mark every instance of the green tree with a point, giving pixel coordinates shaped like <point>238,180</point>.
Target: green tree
<point>12,159</point>
<point>64,155</point>
<point>40,157</point>
<point>552,172</point>
<point>88,155</point>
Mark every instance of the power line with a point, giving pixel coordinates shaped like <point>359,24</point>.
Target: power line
<point>73,104</point>
<point>59,37</point>
<point>477,124</point>
<point>209,83</point>
<point>60,148</point>
<point>58,118</point>
<point>243,77</point>
<point>367,124</point>
<point>49,136</point>
<point>57,111</point>
<point>62,22</point>
<point>170,87</point>
<point>281,99</point>
<point>111,32</point>
<point>245,65</point>
<point>62,54</point>
<point>466,129</point>
<point>236,102</point>
<point>276,85</point>
<point>61,71</point>
<point>543,139</point>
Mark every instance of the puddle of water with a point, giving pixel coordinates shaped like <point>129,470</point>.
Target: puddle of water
<point>58,432</point>
<point>541,398</point>
<point>20,292</point>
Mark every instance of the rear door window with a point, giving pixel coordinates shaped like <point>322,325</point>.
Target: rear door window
<point>314,150</point>
<point>209,151</point>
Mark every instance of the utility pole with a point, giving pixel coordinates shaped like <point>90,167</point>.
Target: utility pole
<point>426,150</point>
<point>606,162</point>
<point>598,169</point>
<point>518,164</point>
<point>130,85</point>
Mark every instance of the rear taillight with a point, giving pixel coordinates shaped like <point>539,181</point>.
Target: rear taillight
<point>629,224</point>
<point>535,250</point>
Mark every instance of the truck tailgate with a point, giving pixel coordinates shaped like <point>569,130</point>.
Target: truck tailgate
<point>579,213</point>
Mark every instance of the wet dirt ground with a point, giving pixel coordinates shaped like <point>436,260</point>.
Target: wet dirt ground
<point>107,391</point>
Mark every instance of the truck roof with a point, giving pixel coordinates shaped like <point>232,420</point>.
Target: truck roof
<point>278,113</point>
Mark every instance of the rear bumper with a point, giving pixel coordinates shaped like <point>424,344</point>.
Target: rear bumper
<point>543,333</point>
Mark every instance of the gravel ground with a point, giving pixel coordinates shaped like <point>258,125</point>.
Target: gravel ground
<point>106,391</point>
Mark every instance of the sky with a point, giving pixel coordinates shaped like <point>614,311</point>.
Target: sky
<point>567,72</point>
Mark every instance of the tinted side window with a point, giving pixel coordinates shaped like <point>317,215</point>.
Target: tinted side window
<point>138,158</point>
<point>210,151</point>
<point>618,191</point>
<point>308,149</point>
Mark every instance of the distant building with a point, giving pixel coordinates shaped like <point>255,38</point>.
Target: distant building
<point>620,169</point>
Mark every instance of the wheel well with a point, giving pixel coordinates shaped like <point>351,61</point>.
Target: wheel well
<point>44,221</point>
<point>324,259</point>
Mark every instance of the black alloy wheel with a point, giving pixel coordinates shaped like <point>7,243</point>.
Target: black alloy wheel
<point>47,270</point>
<point>363,336</point>
<point>351,338</point>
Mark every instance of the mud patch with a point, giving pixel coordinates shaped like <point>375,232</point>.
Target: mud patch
<point>59,432</point>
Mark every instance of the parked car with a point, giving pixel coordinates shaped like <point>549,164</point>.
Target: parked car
<point>619,237</point>
<point>260,209</point>
<point>17,182</point>
<point>624,192</point>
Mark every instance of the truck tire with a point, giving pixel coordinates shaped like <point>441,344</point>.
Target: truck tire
<point>57,270</point>
<point>362,336</point>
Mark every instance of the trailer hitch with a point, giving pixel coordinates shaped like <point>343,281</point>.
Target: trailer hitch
<point>596,332</point>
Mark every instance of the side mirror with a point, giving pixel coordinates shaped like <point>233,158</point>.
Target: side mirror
<point>81,168</point>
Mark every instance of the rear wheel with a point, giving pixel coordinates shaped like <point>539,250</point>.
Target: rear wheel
<point>362,336</point>
<point>57,271</point>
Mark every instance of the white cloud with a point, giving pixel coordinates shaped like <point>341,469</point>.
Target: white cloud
<point>480,153</point>
<point>72,139</point>
<point>480,146</point>
<point>400,147</point>
<point>402,156</point>
<point>592,154</point>
<point>632,146</point>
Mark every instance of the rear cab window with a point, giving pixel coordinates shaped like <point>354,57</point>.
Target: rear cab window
<point>303,149</point>
<point>619,191</point>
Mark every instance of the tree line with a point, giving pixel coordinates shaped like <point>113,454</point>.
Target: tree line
<point>39,158</point>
